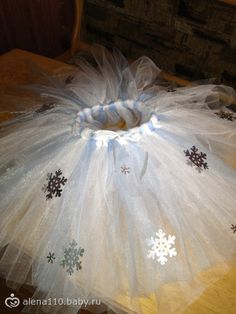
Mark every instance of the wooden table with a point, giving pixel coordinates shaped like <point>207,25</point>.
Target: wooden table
<point>19,68</point>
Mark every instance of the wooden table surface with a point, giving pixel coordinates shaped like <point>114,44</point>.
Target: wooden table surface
<point>19,68</point>
<point>15,67</point>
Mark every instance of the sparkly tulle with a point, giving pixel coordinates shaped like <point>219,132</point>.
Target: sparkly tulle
<point>121,191</point>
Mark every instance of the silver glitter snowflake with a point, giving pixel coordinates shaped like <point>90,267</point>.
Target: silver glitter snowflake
<point>72,256</point>
<point>51,257</point>
<point>161,247</point>
<point>233,227</point>
<point>54,185</point>
<point>69,79</point>
<point>196,158</point>
<point>45,107</point>
<point>226,115</point>
<point>171,89</point>
<point>125,169</point>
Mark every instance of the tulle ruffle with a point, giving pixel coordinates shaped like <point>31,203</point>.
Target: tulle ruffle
<point>122,191</point>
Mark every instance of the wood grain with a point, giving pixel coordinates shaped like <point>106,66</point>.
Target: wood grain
<point>16,69</point>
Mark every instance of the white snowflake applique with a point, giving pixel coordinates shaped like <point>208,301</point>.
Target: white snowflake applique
<point>161,247</point>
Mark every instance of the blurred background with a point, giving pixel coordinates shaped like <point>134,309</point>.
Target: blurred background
<point>192,39</point>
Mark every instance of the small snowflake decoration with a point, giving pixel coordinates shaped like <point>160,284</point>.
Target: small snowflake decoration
<point>196,158</point>
<point>45,107</point>
<point>225,115</point>
<point>69,79</point>
<point>54,185</point>
<point>233,227</point>
<point>161,247</point>
<point>51,257</point>
<point>72,257</point>
<point>171,90</point>
<point>125,169</point>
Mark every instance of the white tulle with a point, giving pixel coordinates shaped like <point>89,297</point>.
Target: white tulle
<point>120,142</point>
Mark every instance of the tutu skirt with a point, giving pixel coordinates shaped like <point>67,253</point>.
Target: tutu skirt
<point>119,191</point>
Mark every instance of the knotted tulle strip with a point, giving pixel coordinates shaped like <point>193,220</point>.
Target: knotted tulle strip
<point>120,120</point>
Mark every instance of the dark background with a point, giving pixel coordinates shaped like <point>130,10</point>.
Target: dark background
<point>193,39</point>
<point>40,26</point>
